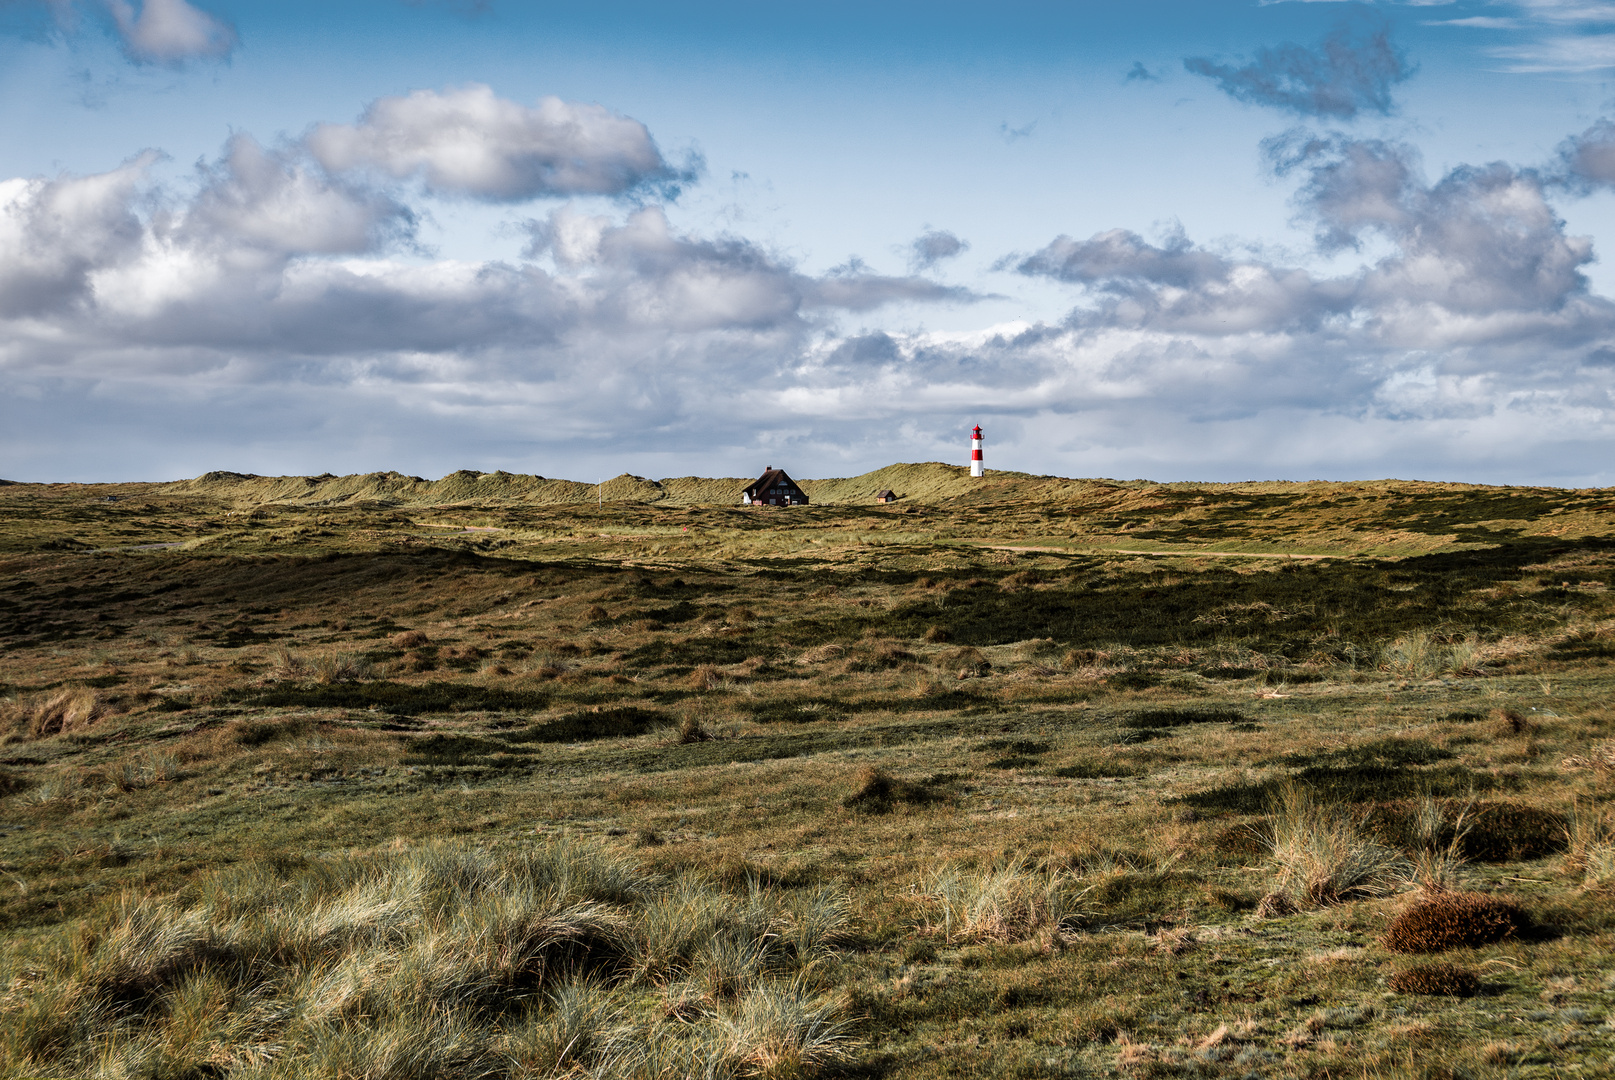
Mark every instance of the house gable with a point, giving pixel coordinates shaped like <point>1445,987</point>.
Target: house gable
<point>774,488</point>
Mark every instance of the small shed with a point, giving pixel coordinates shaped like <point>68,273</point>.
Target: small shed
<point>774,488</point>
<point>886,496</point>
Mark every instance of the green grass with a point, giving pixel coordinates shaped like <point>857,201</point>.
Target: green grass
<point>854,790</point>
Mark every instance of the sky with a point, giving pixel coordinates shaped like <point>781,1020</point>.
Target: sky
<point>1207,240</point>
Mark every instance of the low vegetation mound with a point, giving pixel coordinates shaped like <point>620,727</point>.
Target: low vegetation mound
<point>406,699</point>
<point>1454,920</point>
<point>445,962</point>
<point>1478,831</point>
<point>1448,980</point>
<point>879,792</point>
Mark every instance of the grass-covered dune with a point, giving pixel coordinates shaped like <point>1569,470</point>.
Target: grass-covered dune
<point>483,777</point>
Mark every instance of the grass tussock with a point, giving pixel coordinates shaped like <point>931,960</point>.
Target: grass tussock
<point>59,713</point>
<point>441,962</point>
<point>1440,921</point>
<point>877,791</point>
<point>1321,853</point>
<point>1003,903</point>
<point>1590,846</point>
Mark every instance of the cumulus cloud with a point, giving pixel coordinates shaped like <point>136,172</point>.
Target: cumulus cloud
<point>1478,253</point>
<point>1353,186</point>
<point>933,246</point>
<point>1119,255</point>
<point>287,299</point>
<point>170,31</point>
<point>56,234</point>
<point>280,202</point>
<point>269,257</point>
<point>1352,70</point>
<point>470,142</point>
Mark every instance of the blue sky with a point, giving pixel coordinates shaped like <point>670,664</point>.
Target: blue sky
<point>1179,240</point>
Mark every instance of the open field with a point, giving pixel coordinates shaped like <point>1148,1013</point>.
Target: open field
<point>378,777</point>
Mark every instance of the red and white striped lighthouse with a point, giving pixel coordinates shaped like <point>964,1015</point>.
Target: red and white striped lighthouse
<point>975,452</point>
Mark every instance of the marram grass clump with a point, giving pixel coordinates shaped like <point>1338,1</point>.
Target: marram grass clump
<point>444,961</point>
<point>1454,920</point>
<point>1322,854</point>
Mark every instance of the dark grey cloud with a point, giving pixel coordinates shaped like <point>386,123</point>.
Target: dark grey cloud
<point>1481,264</point>
<point>1122,256</point>
<point>933,246</point>
<point>1352,186</point>
<point>1139,73</point>
<point>1587,161</point>
<point>1352,70</point>
<point>470,142</point>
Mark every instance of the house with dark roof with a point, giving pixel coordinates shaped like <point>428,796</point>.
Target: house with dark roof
<point>773,488</point>
<point>886,496</point>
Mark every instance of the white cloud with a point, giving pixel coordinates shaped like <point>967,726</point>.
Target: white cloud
<point>56,234</point>
<point>1589,52</point>
<point>472,143</point>
<point>288,300</point>
<point>1480,22</point>
<point>282,203</point>
<point>170,31</point>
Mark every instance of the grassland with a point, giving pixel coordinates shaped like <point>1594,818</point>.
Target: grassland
<point>501,776</point>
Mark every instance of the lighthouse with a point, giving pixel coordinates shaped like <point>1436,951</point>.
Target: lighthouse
<point>975,452</point>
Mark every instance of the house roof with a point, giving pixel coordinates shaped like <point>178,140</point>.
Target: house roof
<point>770,478</point>
<point>887,494</point>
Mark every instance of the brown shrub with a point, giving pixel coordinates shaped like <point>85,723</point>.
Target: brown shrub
<point>820,653</point>
<point>875,786</point>
<point>876,656</point>
<point>936,635</point>
<point>705,677</point>
<point>1448,979</point>
<point>596,614</point>
<point>1021,579</point>
<point>1514,722</point>
<point>1453,920</point>
<point>416,662</point>
<point>969,661</point>
<point>878,791</point>
<point>410,639</point>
